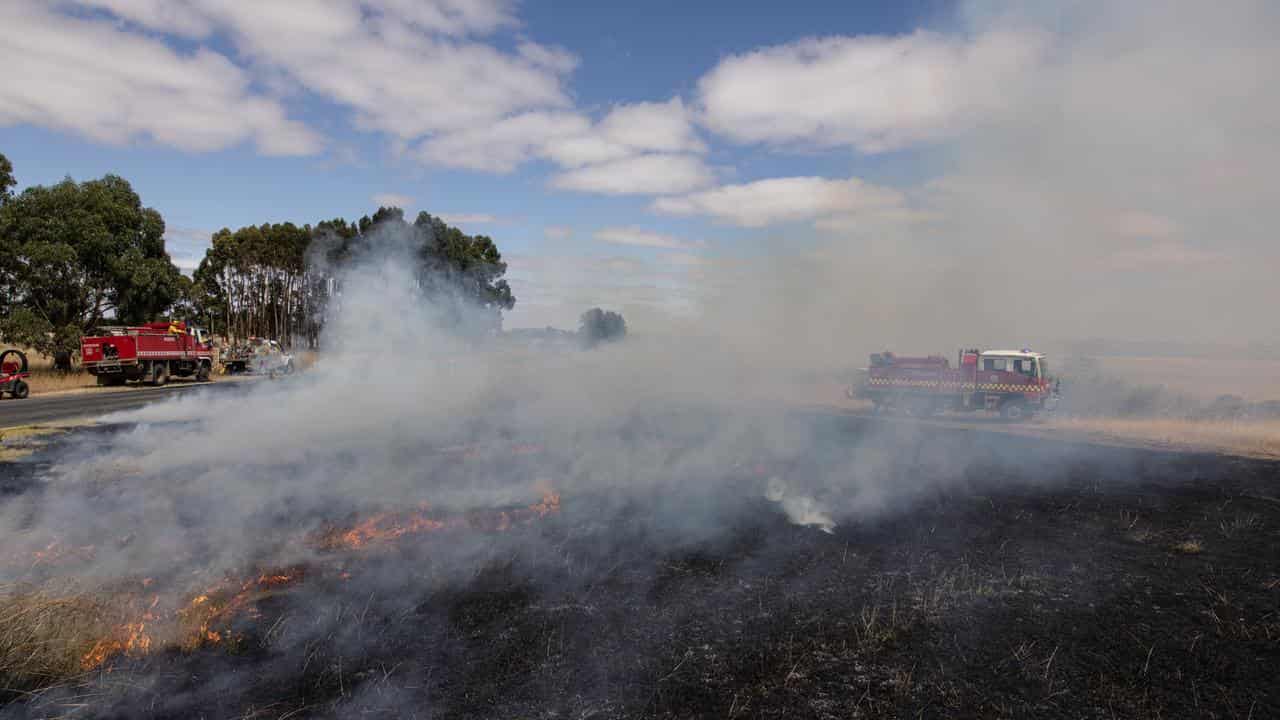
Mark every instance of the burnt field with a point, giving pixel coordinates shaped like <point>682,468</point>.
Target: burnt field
<point>968,574</point>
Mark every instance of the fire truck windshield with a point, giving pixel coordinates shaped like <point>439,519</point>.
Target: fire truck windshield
<point>1025,366</point>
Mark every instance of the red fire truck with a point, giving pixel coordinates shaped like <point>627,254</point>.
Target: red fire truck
<point>1015,383</point>
<point>153,352</point>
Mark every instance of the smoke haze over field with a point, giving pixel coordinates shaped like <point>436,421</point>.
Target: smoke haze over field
<point>1118,183</point>
<point>1115,184</point>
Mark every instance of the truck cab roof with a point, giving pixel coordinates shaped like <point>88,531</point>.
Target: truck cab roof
<point>1012,353</point>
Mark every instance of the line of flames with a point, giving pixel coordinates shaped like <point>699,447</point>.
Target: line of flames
<point>203,620</point>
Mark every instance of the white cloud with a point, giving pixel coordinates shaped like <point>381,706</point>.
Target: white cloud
<point>198,18</point>
<point>558,232</point>
<point>186,247</point>
<point>412,69</point>
<point>586,149</point>
<point>642,148</point>
<point>557,60</point>
<point>641,174</point>
<point>652,126</point>
<point>504,144</point>
<point>175,16</point>
<point>458,219</point>
<point>90,78</point>
<point>454,17</point>
<point>419,71</point>
<point>404,202</point>
<point>790,199</point>
<point>395,72</point>
<point>874,93</point>
<point>629,130</point>
<point>639,237</point>
<point>187,264</point>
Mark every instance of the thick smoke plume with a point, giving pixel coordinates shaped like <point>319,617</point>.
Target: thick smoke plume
<point>1120,188</point>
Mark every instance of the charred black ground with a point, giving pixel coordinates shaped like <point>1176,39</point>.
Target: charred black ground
<point>1113,583</point>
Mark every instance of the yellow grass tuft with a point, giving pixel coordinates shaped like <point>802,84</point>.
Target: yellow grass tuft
<point>1188,547</point>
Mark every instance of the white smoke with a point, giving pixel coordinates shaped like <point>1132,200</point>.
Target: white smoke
<point>800,509</point>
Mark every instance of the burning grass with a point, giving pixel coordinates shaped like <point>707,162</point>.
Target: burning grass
<point>1001,598</point>
<point>51,634</point>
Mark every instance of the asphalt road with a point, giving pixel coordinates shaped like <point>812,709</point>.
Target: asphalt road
<point>61,407</point>
<point>36,409</point>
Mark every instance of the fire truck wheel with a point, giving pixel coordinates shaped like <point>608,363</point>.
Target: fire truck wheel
<point>202,375</point>
<point>160,374</point>
<point>20,389</point>
<point>1014,410</point>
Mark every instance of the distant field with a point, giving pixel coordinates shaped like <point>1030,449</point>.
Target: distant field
<point>1259,438</point>
<point>1203,378</point>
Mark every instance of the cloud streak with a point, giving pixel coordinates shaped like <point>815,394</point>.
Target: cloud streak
<point>639,237</point>
<point>872,93</point>
<point>90,78</point>
<point>786,199</point>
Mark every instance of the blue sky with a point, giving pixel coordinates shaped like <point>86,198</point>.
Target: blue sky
<point>615,151</point>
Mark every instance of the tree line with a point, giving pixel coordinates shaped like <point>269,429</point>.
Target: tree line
<point>277,280</point>
<point>80,255</point>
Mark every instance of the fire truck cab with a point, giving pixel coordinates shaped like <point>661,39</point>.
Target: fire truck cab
<point>1023,362</point>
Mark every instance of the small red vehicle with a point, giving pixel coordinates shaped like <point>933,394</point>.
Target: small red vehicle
<point>13,368</point>
<point>1015,383</point>
<point>152,353</point>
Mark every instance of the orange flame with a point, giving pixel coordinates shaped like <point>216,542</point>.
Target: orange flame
<point>389,526</point>
<point>205,618</point>
<point>56,551</point>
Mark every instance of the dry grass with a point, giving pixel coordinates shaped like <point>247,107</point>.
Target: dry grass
<point>47,381</point>
<point>20,441</point>
<point>1204,378</point>
<point>1253,438</point>
<point>45,635</point>
<point>56,633</point>
<point>1188,547</point>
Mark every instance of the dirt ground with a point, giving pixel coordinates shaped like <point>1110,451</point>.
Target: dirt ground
<point>1132,584</point>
